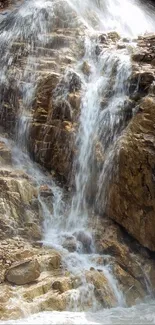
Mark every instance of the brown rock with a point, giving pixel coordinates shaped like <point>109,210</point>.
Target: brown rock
<point>46,85</point>
<point>86,68</point>
<point>74,81</point>
<point>10,105</point>
<point>24,272</point>
<point>153,62</point>
<point>17,197</point>
<point>141,81</point>
<point>62,285</point>
<point>70,244</point>
<point>132,289</point>
<point>52,301</point>
<point>114,36</point>
<point>50,261</point>
<point>126,257</point>
<point>102,288</point>
<point>132,197</point>
<point>62,110</point>
<point>32,230</point>
<point>74,99</point>
<point>5,154</point>
<point>53,146</point>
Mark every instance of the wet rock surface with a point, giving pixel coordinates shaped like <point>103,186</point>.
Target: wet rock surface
<point>131,193</point>
<point>55,105</point>
<point>35,268</point>
<point>102,289</point>
<point>19,208</point>
<point>39,274</point>
<point>134,202</point>
<point>35,273</point>
<point>129,261</point>
<point>23,272</point>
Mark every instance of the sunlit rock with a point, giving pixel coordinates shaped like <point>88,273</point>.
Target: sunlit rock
<point>23,272</point>
<point>86,69</point>
<point>102,289</point>
<point>131,199</point>
<point>50,261</point>
<point>17,201</point>
<point>132,289</point>
<point>62,285</point>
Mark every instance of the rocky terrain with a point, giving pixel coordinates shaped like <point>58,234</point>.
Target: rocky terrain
<point>123,230</point>
<point>39,274</point>
<point>131,196</point>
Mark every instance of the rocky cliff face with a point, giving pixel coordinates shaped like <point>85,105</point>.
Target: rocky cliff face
<point>55,105</point>
<point>37,273</point>
<point>131,194</point>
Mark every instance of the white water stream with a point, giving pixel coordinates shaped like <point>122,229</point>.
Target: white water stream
<point>137,315</point>
<point>126,17</point>
<point>111,68</point>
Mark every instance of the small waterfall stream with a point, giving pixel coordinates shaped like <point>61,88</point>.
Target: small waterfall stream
<point>116,15</point>
<point>102,120</point>
<point>99,126</point>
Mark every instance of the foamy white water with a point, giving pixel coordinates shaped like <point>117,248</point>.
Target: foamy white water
<point>141,314</point>
<point>97,124</point>
<point>126,17</point>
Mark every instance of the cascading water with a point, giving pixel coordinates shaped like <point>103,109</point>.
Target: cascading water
<point>115,15</point>
<point>104,93</point>
<point>96,124</point>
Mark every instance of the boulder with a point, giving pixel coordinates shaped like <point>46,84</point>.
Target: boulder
<point>102,289</point>
<point>86,69</point>
<point>23,272</point>
<point>132,289</point>
<point>70,244</point>
<point>85,239</point>
<point>53,146</point>
<point>18,205</point>
<point>50,261</point>
<point>141,81</point>
<point>62,285</point>
<point>132,266</point>
<point>51,301</point>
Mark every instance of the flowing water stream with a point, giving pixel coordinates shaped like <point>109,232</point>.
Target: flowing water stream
<point>109,71</point>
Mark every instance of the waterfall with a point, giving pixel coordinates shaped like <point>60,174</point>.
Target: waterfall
<point>104,93</point>
<point>116,15</point>
<point>98,125</point>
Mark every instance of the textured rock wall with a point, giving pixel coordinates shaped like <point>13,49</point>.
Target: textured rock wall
<point>55,106</point>
<point>131,198</point>
<point>52,129</point>
<point>54,116</point>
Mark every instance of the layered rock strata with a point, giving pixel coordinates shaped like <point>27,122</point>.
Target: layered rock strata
<point>38,274</point>
<point>131,193</point>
